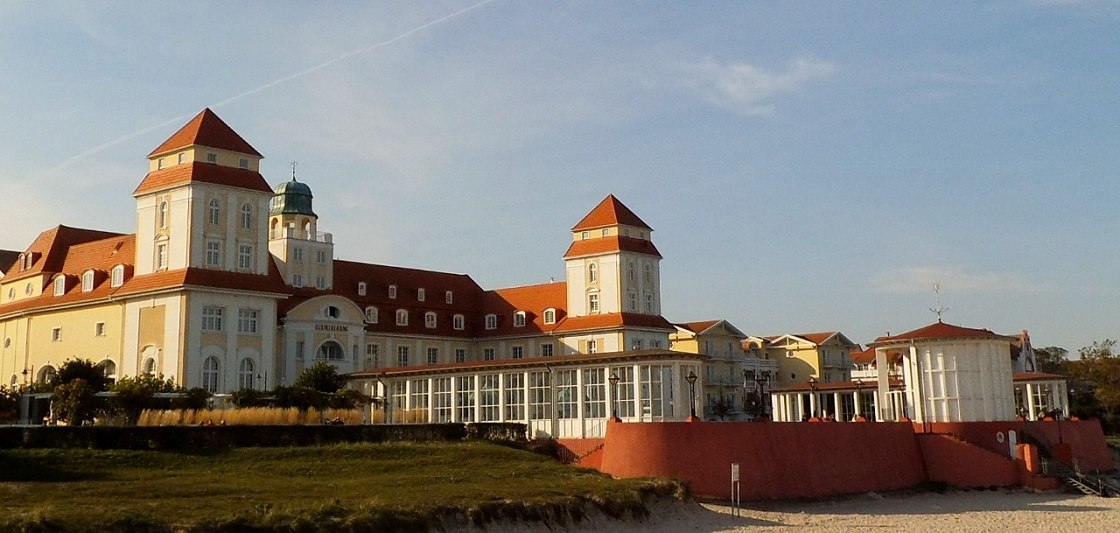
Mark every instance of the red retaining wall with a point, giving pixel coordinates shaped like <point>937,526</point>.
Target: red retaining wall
<point>1085,437</point>
<point>777,460</point>
<point>961,464</point>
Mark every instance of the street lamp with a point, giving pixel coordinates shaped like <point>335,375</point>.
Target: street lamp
<point>691,379</point>
<point>614,394</point>
<point>813,397</point>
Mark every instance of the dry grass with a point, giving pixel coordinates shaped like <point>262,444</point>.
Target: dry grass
<point>249,416</point>
<point>410,416</point>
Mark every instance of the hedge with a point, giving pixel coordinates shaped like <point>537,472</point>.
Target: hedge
<point>203,437</point>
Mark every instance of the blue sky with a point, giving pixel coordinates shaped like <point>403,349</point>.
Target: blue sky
<point>807,166</point>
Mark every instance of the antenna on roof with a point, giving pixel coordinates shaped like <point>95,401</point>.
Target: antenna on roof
<point>294,163</point>
<point>939,309</point>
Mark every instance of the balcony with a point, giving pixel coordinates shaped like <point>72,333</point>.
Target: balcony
<point>301,235</point>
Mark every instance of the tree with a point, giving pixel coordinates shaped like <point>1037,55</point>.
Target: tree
<point>92,373</point>
<point>321,377</point>
<point>9,403</point>
<point>1052,359</point>
<point>74,402</point>
<point>134,394</point>
<point>1099,368</point>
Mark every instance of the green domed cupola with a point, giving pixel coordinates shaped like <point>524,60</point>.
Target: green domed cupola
<point>291,198</point>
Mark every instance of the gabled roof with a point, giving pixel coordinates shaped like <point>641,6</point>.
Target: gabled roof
<point>52,247</point>
<point>203,278</point>
<point>704,326</point>
<point>939,330</point>
<point>202,172</point>
<point>612,243</point>
<point>206,129</point>
<point>817,338</point>
<point>610,212</point>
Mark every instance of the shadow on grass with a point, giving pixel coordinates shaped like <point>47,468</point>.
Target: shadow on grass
<point>42,469</point>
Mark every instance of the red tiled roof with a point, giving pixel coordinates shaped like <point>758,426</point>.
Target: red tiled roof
<point>7,259</point>
<point>698,327</point>
<point>1036,376</point>
<point>204,278</point>
<point>867,357</point>
<point>817,338</point>
<point>939,330</point>
<point>202,172</point>
<point>206,129</point>
<point>52,246</point>
<point>610,212</point>
<point>533,300</point>
<point>613,243</point>
<point>613,320</point>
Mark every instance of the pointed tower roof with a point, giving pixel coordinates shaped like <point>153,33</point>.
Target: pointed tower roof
<point>610,212</point>
<point>206,129</point>
<point>939,330</point>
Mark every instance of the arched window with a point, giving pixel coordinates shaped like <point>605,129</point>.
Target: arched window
<point>215,211</point>
<point>247,216</point>
<point>371,314</point>
<point>402,317</point>
<point>630,271</point>
<point>330,351</point>
<point>149,366</point>
<point>592,273</point>
<point>46,374</point>
<point>60,286</point>
<point>245,374</point>
<point>519,319</point>
<point>87,281</point>
<point>550,316</point>
<point>491,321</point>
<point>109,368</point>
<point>162,215</point>
<point>361,288</point>
<point>118,276</point>
<point>458,322</point>
<point>210,374</point>
<point>429,319</point>
<point>647,273</point>
<point>332,312</point>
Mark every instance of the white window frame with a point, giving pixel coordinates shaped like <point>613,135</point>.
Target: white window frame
<point>519,319</point>
<point>60,285</point>
<point>247,216</point>
<point>214,211</point>
<point>247,321</point>
<point>117,276</point>
<point>517,352</point>
<point>393,292</point>
<point>244,256</point>
<point>402,355</point>
<point>161,256</point>
<point>213,253</point>
<point>593,303</point>
<point>550,316</point>
<point>87,281</point>
<point>459,322</point>
<point>371,314</point>
<point>402,317</point>
<point>361,288</point>
<point>421,295</point>
<point>449,297</point>
<point>212,317</point>
<point>430,320</point>
<point>98,329</point>
<point>433,356</point>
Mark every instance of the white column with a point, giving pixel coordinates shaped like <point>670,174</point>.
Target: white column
<point>856,401</point>
<point>1031,407</point>
<point>1063,398</point>
<point>814,409</point>
<point>502,397</point>
<point>477,410</point>
<point>431,400</point>
<point>455,399</point>
<point>526,395</point>
<point>882,386</point>
<point>836,407</point>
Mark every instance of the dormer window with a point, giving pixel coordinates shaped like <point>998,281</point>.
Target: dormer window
<point>420,295</point>
<point>449,297</point>
<point>117,276</point>
<point>361,288</point>
<point>430,320</point>
<point>491,321</point>
<point>60,286</point>
<point>159,164</point>
<point>371,314</point>
<point>459,322</point>
<point>585,235</point>
<point>87,281</point>
<point>393,291</point>
<point>402,317</point>
<point>550,316</point>
<point>519,319</point>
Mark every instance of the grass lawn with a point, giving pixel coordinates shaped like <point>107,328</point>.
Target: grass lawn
<point>401,486</point>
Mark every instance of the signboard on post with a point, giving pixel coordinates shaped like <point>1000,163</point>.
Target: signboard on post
<point>735,488</point>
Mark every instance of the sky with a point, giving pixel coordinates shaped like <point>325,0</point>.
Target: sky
<point>806,166</point>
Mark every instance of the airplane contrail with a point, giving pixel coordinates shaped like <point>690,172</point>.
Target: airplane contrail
<point>268,85</point>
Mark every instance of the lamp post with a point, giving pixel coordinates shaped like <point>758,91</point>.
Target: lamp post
<point>748,376</point>
<point>813,397</point>
<point>859,397</point>
<point>761,379</point>
<point>691,379</point>
<point>614,395</point>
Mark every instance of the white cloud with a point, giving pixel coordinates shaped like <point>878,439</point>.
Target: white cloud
<point>920,279</point>
<point>746,88</point>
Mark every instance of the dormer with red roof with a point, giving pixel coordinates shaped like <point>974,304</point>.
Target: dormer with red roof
<point>203,203</point>
<point>612,265</point>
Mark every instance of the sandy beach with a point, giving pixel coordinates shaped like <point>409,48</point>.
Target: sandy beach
<point>980,510</point>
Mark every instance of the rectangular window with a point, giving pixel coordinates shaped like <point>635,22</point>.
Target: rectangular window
<point>449,297</point>
<point>515,397</point>
<point>182,158</point>
<point>392,291</point>
<point>488,404</point>
<point>420,295</point>
<point>624,391</point>
<point>460,355</point>
<point>297,280</point>
<point>244,256</point>
<point>56,334</point>
<point>592,303</point>
<point>487,354</point>
<point>649,302</point>
<point>547,349</point>
<point>320,282</point>
<point>402,355</point>
<point>517,352</point>
<point>212,318</point>
<point>441,400</point>
<point>592,346</point>
<point>247,320</point>
<point>321,256</point>
<point>433,356</point>
<point>161,256</point>
<point>594,393</point>
<point>361,288</point>
<point>567,394</point>
<point>99,329</point>
<point>211,157</point>
<point>299,350</point>
<point>464,398</point>
<point>243,163</point>
<point>297,254</point>
<point>540,396</point>
<point>213,253</point>
<point>418,399</point>
<point>373,357</point>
